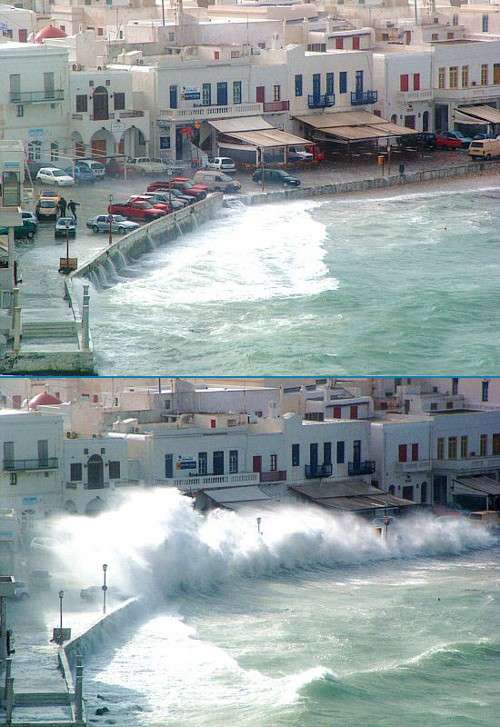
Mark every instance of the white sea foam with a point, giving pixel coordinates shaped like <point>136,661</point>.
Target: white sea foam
<point>157,538</point>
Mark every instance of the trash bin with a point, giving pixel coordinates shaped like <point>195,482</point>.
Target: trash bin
<point>401,169</point>
<point>381,160</point>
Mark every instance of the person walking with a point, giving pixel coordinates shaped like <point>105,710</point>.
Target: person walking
<point>72,208</point>
<point>62,207</point>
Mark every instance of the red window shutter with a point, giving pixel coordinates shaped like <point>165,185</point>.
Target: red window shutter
<point>213,423</point>
<point>416,81</point>
<point>337,412</point>
<point>402,453</point>
<point>339,43</point>
<point>414,452</point>
<point>355,42</point>
<point>354,412</point>
<point>260,94</point>
<point>403,82</point>
<point>216,55</point>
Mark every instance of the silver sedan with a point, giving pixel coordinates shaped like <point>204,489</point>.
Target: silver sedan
<point>119,224</point>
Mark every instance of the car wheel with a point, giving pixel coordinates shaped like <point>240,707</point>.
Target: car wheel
<point>121,230</point>
<point>95,228</point>
<point>30,235</point>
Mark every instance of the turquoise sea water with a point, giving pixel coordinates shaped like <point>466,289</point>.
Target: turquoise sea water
<point>347,285</point>
<point>317,622</point>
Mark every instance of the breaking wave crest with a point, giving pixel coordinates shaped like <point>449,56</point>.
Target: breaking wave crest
<point>157,538</point>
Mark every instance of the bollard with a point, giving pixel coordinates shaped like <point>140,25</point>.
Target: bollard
<point>8,672</point>
<point>79,692</point>
<point>9,701</point>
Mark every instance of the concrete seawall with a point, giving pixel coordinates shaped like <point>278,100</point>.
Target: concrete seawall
<point>108,262</point>
<point>475,169</point>
<point>103,629</point>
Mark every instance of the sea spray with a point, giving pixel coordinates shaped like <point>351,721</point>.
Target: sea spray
<point>156,541</point>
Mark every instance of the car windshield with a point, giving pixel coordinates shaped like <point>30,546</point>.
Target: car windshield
<point>119,218</point>
<point>58,173</point>
<point>47,203</point>
<point>65,221</point>
<point>97,165</point>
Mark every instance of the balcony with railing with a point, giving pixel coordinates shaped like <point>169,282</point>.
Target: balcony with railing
<point>210,112</point>
<point>275,106</point>
<point>361,98</point>
<point>274,476</point>
<point>26,97</point>
<point>204,482</point>
<point>321,101</point>
<point>418,465</point>
<point>313,471</point>
<point>18,465</point>
<point>468,465</point>
<point>355,469</point>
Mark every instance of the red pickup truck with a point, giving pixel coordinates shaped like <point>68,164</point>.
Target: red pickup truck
<point>136,210</point>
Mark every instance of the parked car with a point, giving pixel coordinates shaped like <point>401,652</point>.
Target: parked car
<point>165,198</point>
<point>426,140</point>
<point>94,593</point>
<point>82,174</point>
<point>275,176</point>
<point>45,544</point>
<point>216,181</point>
<point>119,224</point>
<point>188,188</point>
<point>115,168</point>
<point>65,225</point>
<point>137,210</point>
<point>452,140</point>
<point>26,231</point>
<point>146,165</point>
<point>53,175</point>
<point>221,164</point>
<point>153,200</point>
<point>484,149</point>
<point>296,154</point>
<point>21,591</point>
<point>97,168</point>
<point>483,135</point>
<point>31,217</point>
<point>46,207</point>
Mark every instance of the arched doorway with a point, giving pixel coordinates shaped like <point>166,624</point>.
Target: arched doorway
<point>95,472</point>
<point>102,144</point>
<point>100,102</point>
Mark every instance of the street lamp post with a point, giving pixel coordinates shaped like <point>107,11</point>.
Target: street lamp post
<point>61,596</point>
<point>104,587</point>
<point>110,219</point>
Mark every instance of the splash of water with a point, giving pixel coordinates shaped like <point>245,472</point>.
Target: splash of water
<point>156,541</point>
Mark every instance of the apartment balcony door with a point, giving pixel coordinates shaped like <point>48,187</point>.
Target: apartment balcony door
<point>496,444</point>
<point>356,451</point>
<point>222,93</point>
<point>43,452</point>
<point>257,463</point>
<point>218,463</point>
<point>260,94</point>
<point>316,85</point>
<point>48,84</point>
<point>313,455</point>
<point>101,104</point>
<point>359,82</point>
<point>95,472</point>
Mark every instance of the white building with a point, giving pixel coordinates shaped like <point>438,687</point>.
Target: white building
<point>31,471</point>
<point>16,23</point>
<point>34,104</point>
<point>203,450</point>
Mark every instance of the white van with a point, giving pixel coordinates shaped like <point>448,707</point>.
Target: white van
<point>221,164</point>
<point>485,148</point>
<point>216,181</point>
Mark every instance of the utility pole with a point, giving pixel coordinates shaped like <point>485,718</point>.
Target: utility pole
<point>61,597</point>
<point>110,220</point>
<point>104,588</point>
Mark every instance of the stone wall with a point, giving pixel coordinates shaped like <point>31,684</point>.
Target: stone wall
<point>362,185</point>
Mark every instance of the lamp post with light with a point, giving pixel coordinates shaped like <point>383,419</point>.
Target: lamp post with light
<point>104,587</point>
<point>61,597</point>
